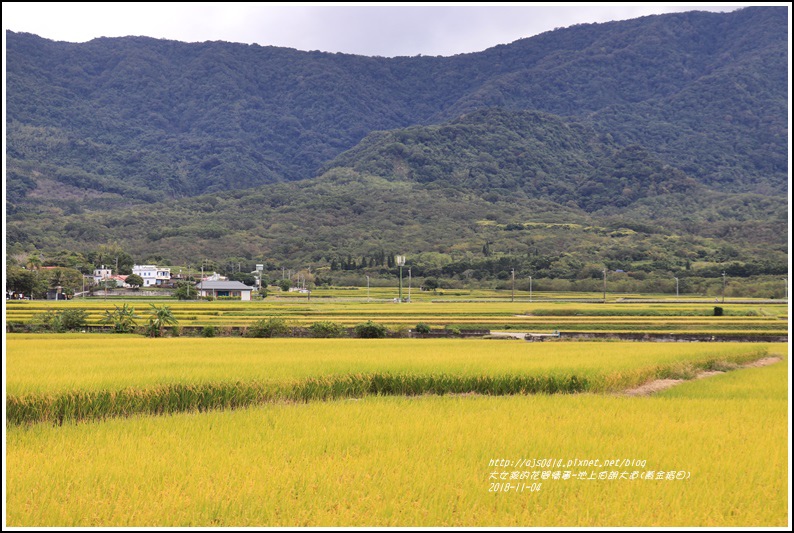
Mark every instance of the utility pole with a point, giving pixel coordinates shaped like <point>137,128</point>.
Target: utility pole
<point>401,263</point>
<point>605,285</point>
<point>367,288</point>
<point>530,289</point>
<point>409,284</point>
<point>513,286</point>
<point>400,294</point>
<point>723,287</point>
<point>676,287</point>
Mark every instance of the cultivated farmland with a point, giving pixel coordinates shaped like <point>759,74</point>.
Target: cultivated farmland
<point>719,446</point>
<point>537,316</point>
<point>125,430</point>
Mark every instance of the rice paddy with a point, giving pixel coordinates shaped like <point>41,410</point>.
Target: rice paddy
<point>124,430</point>
<point>538,316</point>
<point>59,378</point>
<point>421,461</point>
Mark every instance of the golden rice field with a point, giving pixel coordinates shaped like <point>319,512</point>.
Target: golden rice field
<point>125,430</point>
<point>715,449</point>
<point>53,363</point>
<point>539,317</point>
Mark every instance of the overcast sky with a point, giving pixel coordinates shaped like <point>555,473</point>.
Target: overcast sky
<point>396,29</point>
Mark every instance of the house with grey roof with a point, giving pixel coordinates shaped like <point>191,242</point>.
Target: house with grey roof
<point>229,289</point>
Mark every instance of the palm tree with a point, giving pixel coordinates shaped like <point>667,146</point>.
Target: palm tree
<point>57,279</point>
<point>33,262</point>
<point>56,282</point>
<point>161,317</point>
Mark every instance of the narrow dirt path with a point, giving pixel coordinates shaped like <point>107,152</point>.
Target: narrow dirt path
<point>662,384</point>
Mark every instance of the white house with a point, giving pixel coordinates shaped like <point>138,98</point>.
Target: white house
<point>101,274</point>
<point>152,275</point>
<point>234,289</point>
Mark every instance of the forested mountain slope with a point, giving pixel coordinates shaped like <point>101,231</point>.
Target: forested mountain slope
<point>154,119</point>
<point>492,188</point>
<point>652,145</point>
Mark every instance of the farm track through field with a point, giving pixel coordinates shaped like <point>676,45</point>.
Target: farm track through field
<point>659,385</point>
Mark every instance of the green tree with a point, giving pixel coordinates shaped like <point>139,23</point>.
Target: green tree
<point>285,284</point>
<point>243,277</point>
<point>21,280</point>
<point>69,279</point>
<point>57,279</point>
<point>33,262</point>
<point>185,291</point>
<point>430,284</point>
<point>159,319</point>
<point>134,281</point>
<point>69,259</point>
<point>111,255</point>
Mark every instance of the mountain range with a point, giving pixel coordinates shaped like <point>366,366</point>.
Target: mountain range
<point>659,136</point>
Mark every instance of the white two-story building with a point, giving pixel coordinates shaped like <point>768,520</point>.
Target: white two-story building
<point>101,274</point>
<point>152,275</point>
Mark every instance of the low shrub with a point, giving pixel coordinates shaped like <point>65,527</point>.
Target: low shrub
<point>327,330</point>
<point>271,327</point>
<point>401,331</point>
<point>61,321</point>
<point>453,330</point>
<point>371,330</point>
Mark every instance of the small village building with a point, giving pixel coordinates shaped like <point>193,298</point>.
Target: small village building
<point>151,275</point>
<point>101,274</point>
<point>225,289</point>
<point>121,281</point>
